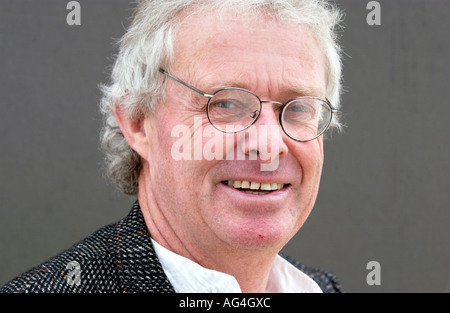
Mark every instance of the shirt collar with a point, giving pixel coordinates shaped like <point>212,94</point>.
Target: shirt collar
<point>187,276</point>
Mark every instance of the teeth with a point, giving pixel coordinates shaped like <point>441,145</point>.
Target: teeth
<point>254,186</point>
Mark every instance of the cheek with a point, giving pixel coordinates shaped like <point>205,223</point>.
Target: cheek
<point>309,156</point>
<point>184,149</point>
<point>191,137</point>
<point>169,178</point>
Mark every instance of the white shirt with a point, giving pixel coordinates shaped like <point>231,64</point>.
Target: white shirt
<point>187,276</point>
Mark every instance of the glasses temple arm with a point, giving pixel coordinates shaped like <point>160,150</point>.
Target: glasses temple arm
<point>333,109</point>
<point>185,84</point>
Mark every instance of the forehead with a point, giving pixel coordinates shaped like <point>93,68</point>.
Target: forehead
<point>249,53</point>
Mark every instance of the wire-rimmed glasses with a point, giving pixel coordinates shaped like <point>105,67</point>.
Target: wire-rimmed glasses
<point>232,109</point>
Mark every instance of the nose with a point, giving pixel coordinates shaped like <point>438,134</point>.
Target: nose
<point>264,139</point>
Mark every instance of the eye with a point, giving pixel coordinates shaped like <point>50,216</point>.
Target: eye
<point>300,108</point>
<point>225,104</point>
<point>299,112</point>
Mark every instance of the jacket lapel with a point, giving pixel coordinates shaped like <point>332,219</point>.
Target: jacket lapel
<point>138,267</point>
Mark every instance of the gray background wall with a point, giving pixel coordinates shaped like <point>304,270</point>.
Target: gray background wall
<point>385,190</point>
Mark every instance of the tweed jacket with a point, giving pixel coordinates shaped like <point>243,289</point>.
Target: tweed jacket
<point>118,258</point>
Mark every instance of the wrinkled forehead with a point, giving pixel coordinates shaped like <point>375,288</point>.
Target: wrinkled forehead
<point>222,28</point>
<point>244,49</point>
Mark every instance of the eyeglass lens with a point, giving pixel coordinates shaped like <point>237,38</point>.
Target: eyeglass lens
<point>233,110</point>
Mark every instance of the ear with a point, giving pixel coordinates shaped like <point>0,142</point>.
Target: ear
<point>133,130</point>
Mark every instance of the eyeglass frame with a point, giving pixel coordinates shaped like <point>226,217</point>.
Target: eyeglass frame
<point>210,96</point>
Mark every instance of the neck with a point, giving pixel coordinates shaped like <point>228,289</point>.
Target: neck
<point>251,268</point>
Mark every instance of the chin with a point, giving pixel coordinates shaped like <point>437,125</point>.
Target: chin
<point>258,235</point>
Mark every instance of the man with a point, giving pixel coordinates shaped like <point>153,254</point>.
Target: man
<point>215,118</point>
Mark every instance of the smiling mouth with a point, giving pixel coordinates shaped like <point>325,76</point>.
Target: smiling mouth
<point>255,188</point>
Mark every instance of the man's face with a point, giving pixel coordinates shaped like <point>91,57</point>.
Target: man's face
<point>275,61</point>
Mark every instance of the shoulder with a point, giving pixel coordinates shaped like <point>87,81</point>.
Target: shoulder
<point>91,260</point>
<point>116,258</point>
<point>326,280</point>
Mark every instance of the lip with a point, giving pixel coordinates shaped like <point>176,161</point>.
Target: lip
<point>289,174</point>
